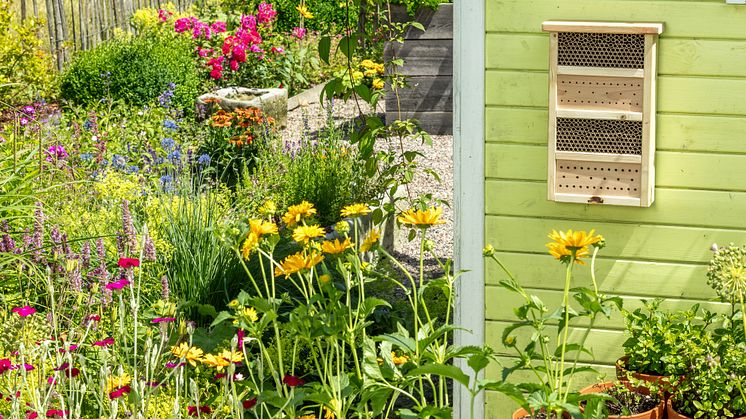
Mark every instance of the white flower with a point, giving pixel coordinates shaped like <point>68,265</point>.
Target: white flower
<point>238,377</point>
<point>94,138</point>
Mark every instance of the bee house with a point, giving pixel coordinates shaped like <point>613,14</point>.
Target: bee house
<point>602,112</point>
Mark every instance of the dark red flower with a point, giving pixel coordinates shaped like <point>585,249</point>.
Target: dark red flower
<point>248,404</point>
<point>105,342</point>
<point>121,391</point>
<point>31,415</point>
<point>293,381</point>
<point>57,413</point>
<point>129,262</point>
<point>193,410</point>
<point>5,365</point>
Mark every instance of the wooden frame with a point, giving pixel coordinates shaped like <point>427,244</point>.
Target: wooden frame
<point>613,80</point>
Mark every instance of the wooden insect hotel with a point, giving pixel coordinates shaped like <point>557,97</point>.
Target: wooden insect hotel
<point>602,112</point>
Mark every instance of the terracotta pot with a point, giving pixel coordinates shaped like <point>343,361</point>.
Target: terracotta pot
<point>672,414</point>
<point>621,373</point>
<point>521,413</point>
<point>654,413</point>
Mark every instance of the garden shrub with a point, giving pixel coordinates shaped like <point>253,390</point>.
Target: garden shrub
<point>25,69</point>
<point>135,70</point>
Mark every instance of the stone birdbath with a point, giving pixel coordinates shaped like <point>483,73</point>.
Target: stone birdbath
<point>273,102</point>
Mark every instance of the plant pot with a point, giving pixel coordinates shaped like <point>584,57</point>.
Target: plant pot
<point>273,102</point>
<point>521,413</point>
<point>654,413</point>
<point>672,414</point>
<point>660,380</point>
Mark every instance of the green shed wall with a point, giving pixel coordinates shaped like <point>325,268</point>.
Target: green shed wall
<point>661,251</point>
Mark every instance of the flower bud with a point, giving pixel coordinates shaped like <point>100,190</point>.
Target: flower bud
<point>488,250</point>
<point>342,227</point>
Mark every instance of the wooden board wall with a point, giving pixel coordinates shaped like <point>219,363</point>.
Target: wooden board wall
<point>661,251</point>
<point>428,58</point>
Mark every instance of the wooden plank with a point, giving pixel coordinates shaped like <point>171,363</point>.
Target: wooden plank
<point>552,131</point>
<point>600,71</point>
<point>422,57</point>
<point>647,172</point>
<point>438,23</point>
<point>624,240</point>
<point>675,94</point>
<point>601,27</point>
<point>439,123</point>
<point>674,132</point>
<point>676,206</point>
<point>673,169</point>
<point>691,57</point>
<point>600,157</point>
<point>605,345</point>
<point>500,304</point>
<point>682,18</point>
<point>599,114</point>
<point>426,94</point>
<point>650,279</point>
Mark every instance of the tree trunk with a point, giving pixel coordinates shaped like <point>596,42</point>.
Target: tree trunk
<point>361,23</point>
<point>72,21</point>
<point>50,28</point>
<point>82,11</point>
<point>59,16</point>
<point>35,4</point>
<point>23,10</point>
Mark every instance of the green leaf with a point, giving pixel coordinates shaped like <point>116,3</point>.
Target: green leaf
<point>325,46</point>
<point>448,371</point>
<point>364,92</point>
<point>220,318</point>
<point>399,340</point>
<point>347,45</point>
<point>417,25</point>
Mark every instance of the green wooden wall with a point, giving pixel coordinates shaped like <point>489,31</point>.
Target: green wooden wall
<point>700,163</point>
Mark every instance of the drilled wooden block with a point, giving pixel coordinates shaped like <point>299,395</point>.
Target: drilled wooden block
<point>598,178</point>
<point>602,93</point>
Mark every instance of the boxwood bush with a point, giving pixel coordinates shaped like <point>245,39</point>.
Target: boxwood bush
<point>134,69</point>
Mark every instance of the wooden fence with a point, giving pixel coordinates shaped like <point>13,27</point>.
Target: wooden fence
<point>428,65</point>
<point>74,25</point>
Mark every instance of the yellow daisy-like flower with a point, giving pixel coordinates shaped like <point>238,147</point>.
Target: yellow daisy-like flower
<point>268,208</point>
<point>249,245</point>
<point>370,240</point>
<point>191,354</point>
<point>328,413</point>
<point>250,313</point>
<point>325,278</point>
<point>419,218</point>
<point>571,246</point>
<point>215,361</point>
<point>378,84</point>
<point>311,416</point>
<point>303,10</point>
<point>260,228</point>
<point>298,262</point>
<point>399,360</point>
<point>231,356</point>
<point>355,210</point>
<point>336,247</point>
<point>303,234</point>
<point>297,212</point>
<point>114,382</point>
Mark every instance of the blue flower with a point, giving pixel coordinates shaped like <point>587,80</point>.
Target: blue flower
<point>204,159</point>
<point>86,156</point>
<point>166,180</point>
<point>174,156</point>
<point>168,143</point>
<point>118,161</point>
<point>169,124</point>
<point>132,169</point>
<point>88,125</point>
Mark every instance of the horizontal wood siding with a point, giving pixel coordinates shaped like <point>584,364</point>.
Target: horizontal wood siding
<point>700,170</point>
<point>428,65</point>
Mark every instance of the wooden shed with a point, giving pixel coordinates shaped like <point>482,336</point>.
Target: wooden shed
<point>503,148</point>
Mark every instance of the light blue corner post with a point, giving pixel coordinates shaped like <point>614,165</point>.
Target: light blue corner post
<point>468,155</point>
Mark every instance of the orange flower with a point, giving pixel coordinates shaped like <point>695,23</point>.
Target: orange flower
<point>298,262</point>
<point>221,119</point>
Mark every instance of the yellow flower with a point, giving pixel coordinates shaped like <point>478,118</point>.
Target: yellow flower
<point>399,360</point>
<point>311,416</point>
<point>370,240</point>
<point>378,84</point>
<point>260,228</point>
<point>357,75</point>
<point>380,68</point>
<point>249,245</point>
<point>191,354</point>
<point>429,217</point>
<point>325,278</point>
<point>328,413</point>
<point>335,247</point>
<point>368,64</point>
<point>355,210</point>
<point>370,73</point>
<point>250,313</point>
<point>303,10</point>
<point>303,234</point>
<point>296,212</point>
<point>268,208</point>
<point>114,382</point>
<point>298,262</point>
<point>571,246</point>
<point>215,361</point>
<point>233,304</point>
<point>231,356</point>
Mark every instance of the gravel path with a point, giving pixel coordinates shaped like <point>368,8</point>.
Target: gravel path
<point>438,157</point>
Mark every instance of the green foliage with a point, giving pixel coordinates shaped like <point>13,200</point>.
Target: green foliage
<point>135,70</point>
<point>329,15</point>
<point>657,338</point>
<point>25,69</point>
<point>414,5</point>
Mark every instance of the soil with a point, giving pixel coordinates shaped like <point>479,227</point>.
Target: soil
<point>633,401</point>
<point>540,415</point>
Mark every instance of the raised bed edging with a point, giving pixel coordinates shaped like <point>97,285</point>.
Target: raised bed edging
<point>428,65</point>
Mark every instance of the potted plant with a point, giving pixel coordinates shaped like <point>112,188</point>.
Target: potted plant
<point>547,351</point>
<point>653,350</point>
<point>627,402</point>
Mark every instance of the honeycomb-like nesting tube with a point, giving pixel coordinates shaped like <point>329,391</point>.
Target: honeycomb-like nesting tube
<point>599,136</point>
<point>609,50</point>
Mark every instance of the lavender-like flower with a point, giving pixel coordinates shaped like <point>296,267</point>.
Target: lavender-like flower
<point>129,227</point>
<point>148,250</point>
<point>85,255</point>
<point>37,240</point>
<point>165,290</point>
<point>76,279</point>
